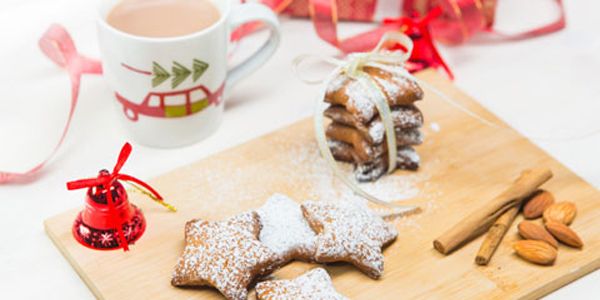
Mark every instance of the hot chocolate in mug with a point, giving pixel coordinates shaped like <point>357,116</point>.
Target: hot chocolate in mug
<point>169,90</point>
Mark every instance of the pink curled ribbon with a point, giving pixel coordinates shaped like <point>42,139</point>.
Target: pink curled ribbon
<point>56,44</point>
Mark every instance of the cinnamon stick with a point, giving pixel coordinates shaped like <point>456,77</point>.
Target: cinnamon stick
<point>495,236</point>
<point>480,220</point>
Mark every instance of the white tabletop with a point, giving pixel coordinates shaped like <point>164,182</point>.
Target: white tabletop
<point>544,87</point>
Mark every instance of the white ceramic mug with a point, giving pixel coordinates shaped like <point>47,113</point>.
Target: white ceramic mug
<point>169,91</point>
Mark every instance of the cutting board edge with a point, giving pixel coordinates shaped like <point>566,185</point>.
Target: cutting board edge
<point>560,282</point>
<point>65,253</point>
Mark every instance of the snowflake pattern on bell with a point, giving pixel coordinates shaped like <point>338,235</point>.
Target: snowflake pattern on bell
<point>107,239</point>
<point>84,231</point>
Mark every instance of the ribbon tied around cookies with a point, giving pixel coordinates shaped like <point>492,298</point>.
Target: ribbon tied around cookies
<point>352,66</point>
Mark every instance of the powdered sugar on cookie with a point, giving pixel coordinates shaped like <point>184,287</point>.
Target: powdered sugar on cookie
<point>225,255</point>
<point>314,284</point>
<point>351,233</point>
<point>403,117</point>
<point>284,229</point>
<point>407,158</point>
<point>359,100</point>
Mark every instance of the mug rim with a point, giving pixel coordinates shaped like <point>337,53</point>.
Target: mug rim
<point>102,21</point>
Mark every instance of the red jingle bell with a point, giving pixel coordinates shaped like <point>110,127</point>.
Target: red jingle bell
<point>109,220</point>
<point>94,226</point>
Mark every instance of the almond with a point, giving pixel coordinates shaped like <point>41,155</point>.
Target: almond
<point>564,234</point>
<point>534,208</point>
<point>531,231</point>
<point>562,212</point>
<point>537,252</point>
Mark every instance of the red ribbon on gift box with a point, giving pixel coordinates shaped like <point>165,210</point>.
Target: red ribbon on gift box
<point>461,19</point>
<point>449,21</point>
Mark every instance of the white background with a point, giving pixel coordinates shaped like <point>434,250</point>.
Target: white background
<point>544,87</point>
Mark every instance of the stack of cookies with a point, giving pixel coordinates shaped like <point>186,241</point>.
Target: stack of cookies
<point>357,134</point>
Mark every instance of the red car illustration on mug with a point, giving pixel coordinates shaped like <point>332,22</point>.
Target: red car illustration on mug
<point>172,104</point>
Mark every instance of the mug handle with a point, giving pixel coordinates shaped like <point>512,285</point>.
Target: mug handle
<point>246,13</point>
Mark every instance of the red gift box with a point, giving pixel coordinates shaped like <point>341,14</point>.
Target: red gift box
<point>348,10</point>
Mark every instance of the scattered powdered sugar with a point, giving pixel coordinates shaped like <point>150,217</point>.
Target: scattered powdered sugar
<point>435,127</point>
<point>223,186</point>
<point>350,232</point>
<point>404,188</point>
<point>307,176</point>
<point>314,284</point>
<point>325,186</point>
<point>284,229</point>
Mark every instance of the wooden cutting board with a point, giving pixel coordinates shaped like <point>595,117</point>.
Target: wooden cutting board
<point>465,163</point>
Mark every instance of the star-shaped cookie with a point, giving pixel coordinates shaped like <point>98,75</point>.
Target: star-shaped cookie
<point>284,229</point>
<point>351,233</point>
<point>314,284</point>
<point>226,255</point>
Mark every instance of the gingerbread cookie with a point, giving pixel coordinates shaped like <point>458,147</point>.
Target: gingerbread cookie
<point>314,284</point>
<point>404,117</point>
<point>350,233</point>
<point>354,96</point>
<point>406,159</point>
<point>285,231</point>
<point>226,255</point>
<point>341,151</point>
<point>363,150</point>
<point>366,152</point>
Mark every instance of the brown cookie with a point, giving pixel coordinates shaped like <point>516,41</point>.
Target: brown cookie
<point>314,284</point>
<point>407,159</point>
<point>285,231</point>
<point>404,117</point>
<point>341,151</point>
<point>352,94</point>
<point>226,255</point>
<point>365,151</point>
<point>349,233</point>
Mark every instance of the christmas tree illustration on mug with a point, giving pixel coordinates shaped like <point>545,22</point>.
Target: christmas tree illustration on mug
<point>197,97</point>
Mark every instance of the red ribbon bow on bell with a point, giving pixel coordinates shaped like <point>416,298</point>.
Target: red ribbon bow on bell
<point>104,183</point>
